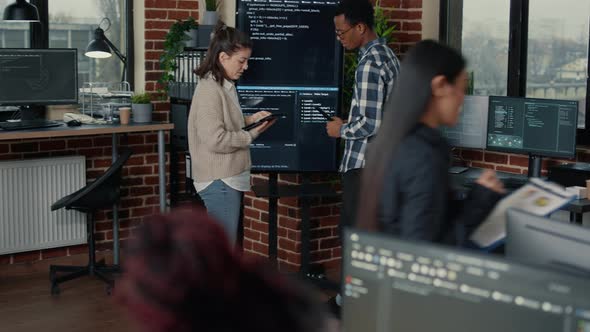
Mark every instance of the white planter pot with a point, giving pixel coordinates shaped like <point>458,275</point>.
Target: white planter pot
<point>193,42</point>
<point>141,113</point>
<point>210,18</point>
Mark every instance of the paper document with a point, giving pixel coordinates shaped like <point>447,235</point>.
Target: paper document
<point>537,197</point>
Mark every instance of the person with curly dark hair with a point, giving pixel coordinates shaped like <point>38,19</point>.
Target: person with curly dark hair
<point>182,274</point>
<point>374,79</point>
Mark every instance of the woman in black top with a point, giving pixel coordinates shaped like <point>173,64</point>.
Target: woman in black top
<point>406,189</point>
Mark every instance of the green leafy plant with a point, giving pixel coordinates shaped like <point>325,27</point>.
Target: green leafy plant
<point>173,46</point>
<point>384,29</point>
<point>471,83</point>
<point>212,5</point>
<point>141,98</point>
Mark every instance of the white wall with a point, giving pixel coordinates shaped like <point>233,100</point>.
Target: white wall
<point>227,12</point>
<point>139,44</point>
<point>430,19</point>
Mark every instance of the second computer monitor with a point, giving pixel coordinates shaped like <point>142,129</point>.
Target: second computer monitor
<point>543,127</point>
<point>470,130</point>
<point>38,76</point>
<point>391,285</point>
<point>538,240</point>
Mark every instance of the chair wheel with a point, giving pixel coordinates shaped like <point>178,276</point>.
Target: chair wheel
<point>55,289</point>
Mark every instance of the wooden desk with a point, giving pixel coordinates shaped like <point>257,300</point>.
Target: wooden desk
<point>576,208</point>
<point>113,129</point>
<point>458,181</point>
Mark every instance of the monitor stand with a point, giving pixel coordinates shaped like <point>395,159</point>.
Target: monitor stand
<point>32,112</point>
<point>535,165</point>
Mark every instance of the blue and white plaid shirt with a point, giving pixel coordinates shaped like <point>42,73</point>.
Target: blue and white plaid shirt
<point>375,76</point>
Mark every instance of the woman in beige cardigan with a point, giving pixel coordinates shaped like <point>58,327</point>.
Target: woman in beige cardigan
<point>218,145</point>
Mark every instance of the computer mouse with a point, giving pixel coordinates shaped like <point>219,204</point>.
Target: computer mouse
<point>74,123</point>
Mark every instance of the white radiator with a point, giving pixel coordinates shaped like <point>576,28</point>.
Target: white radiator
<point>27,190</point>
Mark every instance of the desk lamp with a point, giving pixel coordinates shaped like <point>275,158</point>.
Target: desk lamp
<point>21,11</point>
<point>100,47</point>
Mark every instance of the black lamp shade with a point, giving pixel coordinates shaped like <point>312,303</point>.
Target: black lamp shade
<point>21,11</point>
<point>98,48</point>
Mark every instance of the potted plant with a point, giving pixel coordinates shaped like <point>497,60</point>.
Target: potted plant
<point>210,16</point>
<point>141,107</point>
<point>174,44</point>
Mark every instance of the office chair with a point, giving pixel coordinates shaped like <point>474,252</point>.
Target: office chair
<point>102,193</point>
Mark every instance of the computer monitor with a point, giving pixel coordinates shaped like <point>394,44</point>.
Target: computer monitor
<point>538,127</point>
<point>38,76</point>
<point>295,69</point>
<point>470,131</point>
<point>555,244</point>
<point>391,285</point>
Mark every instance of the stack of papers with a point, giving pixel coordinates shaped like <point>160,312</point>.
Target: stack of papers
<point>537,197</point>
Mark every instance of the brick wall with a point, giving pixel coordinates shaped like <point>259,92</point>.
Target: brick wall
<point>511,163</point>
<point>324,216</point>
<point>159,16</point>
<point>407,17</point>
<point>139,189</point>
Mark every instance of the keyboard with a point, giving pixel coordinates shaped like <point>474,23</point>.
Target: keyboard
<point>509,183</point>
<point>457,169</point>
<point>29,124</point>
<point>514,183</point>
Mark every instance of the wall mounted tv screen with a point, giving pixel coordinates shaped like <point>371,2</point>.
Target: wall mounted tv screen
<point>295,70</point>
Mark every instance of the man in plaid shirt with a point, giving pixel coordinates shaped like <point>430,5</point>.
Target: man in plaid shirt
<point>375,76</point>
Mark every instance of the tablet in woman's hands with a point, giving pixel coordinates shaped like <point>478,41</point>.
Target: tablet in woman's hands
<point>263,120</point>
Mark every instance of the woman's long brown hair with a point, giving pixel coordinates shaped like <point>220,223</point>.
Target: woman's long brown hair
<point>402,111</point>
<point>225,39</point>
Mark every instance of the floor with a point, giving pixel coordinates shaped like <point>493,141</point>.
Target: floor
<point>83,305</point>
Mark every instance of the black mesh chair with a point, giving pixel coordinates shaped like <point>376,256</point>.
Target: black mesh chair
<point>102,193</point>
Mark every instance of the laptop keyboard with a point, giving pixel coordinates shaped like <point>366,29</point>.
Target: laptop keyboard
<point>509,183</point>
<point>29,124</point>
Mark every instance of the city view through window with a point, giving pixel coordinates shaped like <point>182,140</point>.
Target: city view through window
<point>557,56</point>
<point>71,25</point>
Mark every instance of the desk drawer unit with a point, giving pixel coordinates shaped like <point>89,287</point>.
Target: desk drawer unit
<point>27,190</point>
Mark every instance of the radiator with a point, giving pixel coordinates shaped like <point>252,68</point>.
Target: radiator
<point>27,190</point>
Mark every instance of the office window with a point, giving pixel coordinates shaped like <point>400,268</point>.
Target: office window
<point>13,35</point>
<point>557,60</point>
<point>72,24</point>
<point>546,42</point>
<point>479,28</point>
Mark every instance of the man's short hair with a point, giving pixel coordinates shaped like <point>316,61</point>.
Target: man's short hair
<point>357,11</point>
